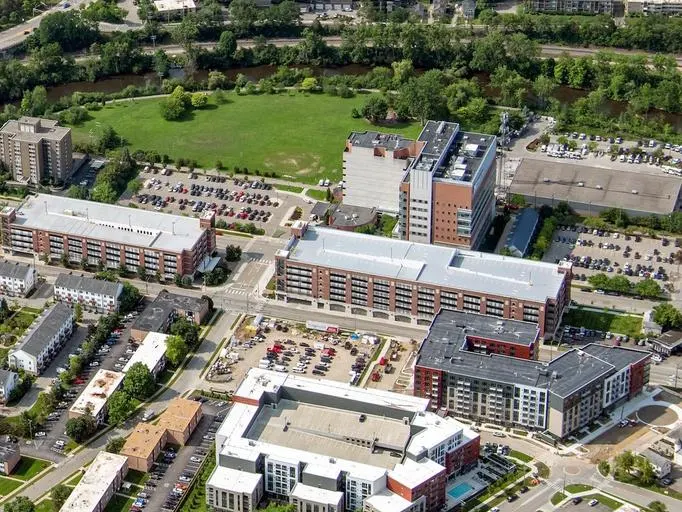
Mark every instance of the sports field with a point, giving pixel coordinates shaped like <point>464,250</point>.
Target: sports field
<point>300,136</point>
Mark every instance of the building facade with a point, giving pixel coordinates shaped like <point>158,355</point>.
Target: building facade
<point>180,419</point>
<point>17,279</point>
<point>43,340</point>
<point>573,6</point>
<point>97,295</point>
<point>8,381</point>
<point>10,455</point>
<point>114,236</point>
<point>144,445</point>
<point>557,397</point>
<point>36,150</point>
<point>99,484</point>
<point>93,400</point>
<point>660,7</point>
<point>406,281</point>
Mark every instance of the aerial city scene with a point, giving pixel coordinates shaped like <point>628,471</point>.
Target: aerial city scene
<point>340,255</point>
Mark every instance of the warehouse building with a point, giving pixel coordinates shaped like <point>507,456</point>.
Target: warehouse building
<point>406,281</point>
<point>98,295</point>
<point>590,190</point>
<point>525,224</point>
<point>93,400</point>
<point>112,235</point>
<point>17,279</point>
<point>99,484</point>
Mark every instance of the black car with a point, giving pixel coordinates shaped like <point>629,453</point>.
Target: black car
<point>577,500</point>
<point>318,372</point>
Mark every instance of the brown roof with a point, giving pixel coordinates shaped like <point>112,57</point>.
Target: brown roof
<point>143,440</point>
<point>179,414</point>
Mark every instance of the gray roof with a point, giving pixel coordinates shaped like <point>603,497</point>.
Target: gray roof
<point>109,223</point>
<point>346,215</point>
<point>89,284</point>
<point>445,267</point>
<point>5,375</point>
<point>523,230</point>
<point>14,270</point>
<point>319,209</point>
<point>372,139</point>
<point>155,314</point>
<point>7,451</point>
<point>46,129</point>
<point>669,339</point>
<point>655,458</point>
<point>602,187</point>
<point>43,328</point>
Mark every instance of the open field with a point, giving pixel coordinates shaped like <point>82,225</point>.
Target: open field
<point>603,321</point>
<point>7,485</point>
<point>44,506</point>
<point>300,136</point>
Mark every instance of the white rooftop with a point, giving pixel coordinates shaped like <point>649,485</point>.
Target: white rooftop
<point>95,395</point>
<point>174,5</point>
<point>150,351</point>
<point>386,501</point>
<point>428,264</point>
<point>326,471</point>
<point>234,480</point>
<point>436,430</point>
<point>309,493</point>
<point>411,473</point>
<point>93,486</point>
<point>109,223</point>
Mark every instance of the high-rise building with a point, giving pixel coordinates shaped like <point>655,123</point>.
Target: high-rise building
<point>36,150</point>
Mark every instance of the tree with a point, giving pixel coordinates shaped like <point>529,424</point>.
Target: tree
<point>78,312</point>
<point>161,63</point>
<point>648,288</point>
<point>309,84</point>
<point>130,296</point>
<point>187,281</point>
<point>625,461</point>
<point>422,97</point>
<point>667,316</point>
<point>104,193</point>
<point>403,70</point>
<point>217,80</point>
<point>647,475</point>
<point>233,252</point>
<point>115,444</point>
<point>243,14</point>
<point>227,44</point>
<point>176,350</point>
<point>120,407</point>
<point>375,109</point>
<point>172,109</point>
<point>81,428</point>
<point>544,87</point>
<point>604,467</point>
<point>20,504</point>
<point>657,506</point>
<point>139,382</point>
<point>177,278</point>
<point>58,495</point>
<point>199,100</point>
<point>188,330</point>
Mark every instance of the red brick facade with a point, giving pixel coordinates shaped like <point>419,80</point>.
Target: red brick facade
<point>519,350</point>
<point>433,489</point>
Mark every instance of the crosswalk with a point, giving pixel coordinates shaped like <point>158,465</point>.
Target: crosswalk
<point>260,259</point>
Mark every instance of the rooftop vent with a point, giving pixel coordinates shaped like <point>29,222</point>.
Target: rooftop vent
<point>581,183</point>
<point>599,187</point>
<point>635,191</point>
<point>546,180</point>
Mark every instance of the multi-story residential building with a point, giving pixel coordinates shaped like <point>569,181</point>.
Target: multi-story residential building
<point>447,196</point>
<point>93,400</point>
<point>99,484</point>
<point>16,279</point>
<point>165,308</point>
<point>8,381</point>
<point>180,419</point>
<point>107,234</point>
<point>92,294</point>
<point>558,397</point>
<point>143,446</point>
<point>10,455</point>
<point>36,150</point>
<point>151,352</point>
<point>661,7</point>
<point>371,448</point>
<point>43,340</point>
<point>574,6</point>
<point>406,281</point>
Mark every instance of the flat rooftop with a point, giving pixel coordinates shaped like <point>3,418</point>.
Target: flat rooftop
<point>179,414</point>
<point>143,440</point>
<point>95,395</point>
<point>670,339</point>
<point>149,352</point>
<point>43,329</point>
<point>235,480</point>
<point>372,139</point>
<point>440,266</point>
<point>346,215</point>
<point>95,483</point>
<point>457,325</point>
<point>42,129</point>
<point>174,5</point>
<point>322,430</point>
<point>315,494</point>
<point>8,451</point>
<point>109,223</point>
<point>155,314</point>
<point>601,187</point>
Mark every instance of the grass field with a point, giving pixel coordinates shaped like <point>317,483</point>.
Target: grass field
<point>318,195</point>
<point>29,467</point>
<point>136,477</point>
<point>7,485</point>
<point>77,478</point>
<point>289,188</point>
<point>574,488</point>
<point>520,456</point>
<point>119,503</point>
<point>299,136</point>
<point>604,500</point>
<point>557,498</point>
<point>44,506</point>
<point>602,321</point>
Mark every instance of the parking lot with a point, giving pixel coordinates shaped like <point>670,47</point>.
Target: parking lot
<point>584,506</point>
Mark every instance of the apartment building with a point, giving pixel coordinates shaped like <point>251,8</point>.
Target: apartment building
<point>97,295</point>
<point>143,446</point>
<point>447,195</point>
<point>8,381</point>
<point>36,150</point>
<point>373,166</point>
<point>574,6</point>
<point>180,419</point>
<point>107,234</point>
<point>411,282</point>
<point>368,443</point>
<point>43,340</point>
<point>165,308</point>
<point>100,482</point>
<point>660,7</point>
<point>151,353</point>
<point>16,279</point>
<point>558,397</point>
<point>93,400</point>
<point>10,455</point>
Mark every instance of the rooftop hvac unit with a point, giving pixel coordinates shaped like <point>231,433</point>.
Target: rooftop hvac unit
<point>581,183</point>
<point>599,187</point>
<point>546,180</point>
<point>635,191</point>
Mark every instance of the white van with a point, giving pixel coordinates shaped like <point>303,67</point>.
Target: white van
<point>264,366</point>
<point>280,368</point>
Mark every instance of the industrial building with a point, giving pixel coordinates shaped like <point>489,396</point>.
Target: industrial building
<point>151,353</point>
<point>92,294</point>
<point>93,400</point>
<point>115,236</point>
<point>411,282</point>
<point>43,340</point>
<point>326,445</point>
<point>589,190</point>
<point>36,150</point>
<point>101,480</point>
<point>557,397</point>
<point>17,279</point>
<point>165,308</point>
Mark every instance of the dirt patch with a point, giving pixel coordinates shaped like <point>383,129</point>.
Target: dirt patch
<point>615,441</point>
<point>658,415</point>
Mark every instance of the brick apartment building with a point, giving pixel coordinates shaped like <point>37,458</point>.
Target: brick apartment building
<point>36,150</point>
<point>406,281</point>
<point>50,226</point>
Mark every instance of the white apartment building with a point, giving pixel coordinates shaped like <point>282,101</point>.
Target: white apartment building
<point>16,279</point>
<point>94,398</point>
<point>97,295</point>
<point>8,381</point>
<point>151,353</point>
<point>661,7</point>
<point>99,483</point>
<point>45,337</point>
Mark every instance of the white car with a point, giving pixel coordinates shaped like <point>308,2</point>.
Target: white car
<point>195,459</point>
<point>594,503</point>
<point>41,434</point>
<point>298,370</point>
<point>94,364</point>
<point>184,478</point>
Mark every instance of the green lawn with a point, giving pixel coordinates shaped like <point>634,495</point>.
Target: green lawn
<point>44,506</point>
<point>520,455</point>
<point>29,467</point>
<point>299,136</point>
<point>119,504</point>
<point>602,321</point>
<point>573,488</point>
<point>319,195</point>
<point>77,478</point>
<point>604,500</point>
<point>7,485</point>
<point>557,498</point>
<point>289,188</point>
<point>543,469</point>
